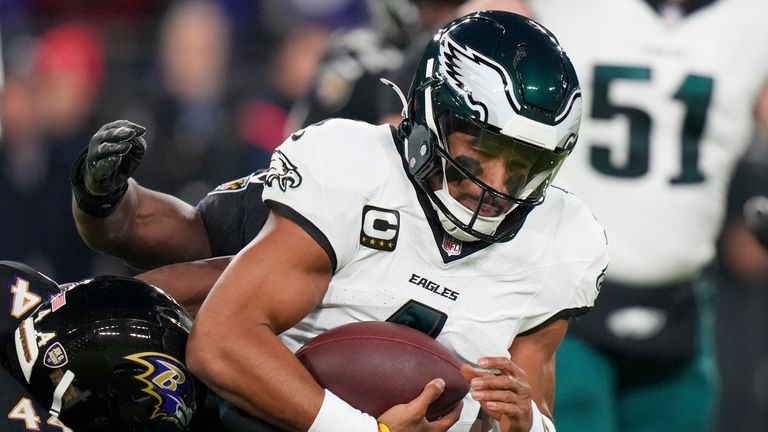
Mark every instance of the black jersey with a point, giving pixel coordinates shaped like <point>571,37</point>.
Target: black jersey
<point>233,214</point>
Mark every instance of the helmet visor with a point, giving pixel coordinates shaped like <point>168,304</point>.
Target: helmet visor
<point>502,166</point>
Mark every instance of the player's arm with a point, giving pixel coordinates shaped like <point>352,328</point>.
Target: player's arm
<point>268,287</point>
<point>117,216</point>
<point>528,375</point>
<point>189,283</point>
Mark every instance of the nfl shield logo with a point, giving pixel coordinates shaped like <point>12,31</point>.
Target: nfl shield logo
<point>451,246</point>
<point>55,356</point>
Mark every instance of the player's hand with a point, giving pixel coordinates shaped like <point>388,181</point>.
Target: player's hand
<point>504,396</point>
<point>411,417</point>
<point>114,153</point>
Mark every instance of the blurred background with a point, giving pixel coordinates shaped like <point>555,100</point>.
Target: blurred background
<point>219,84</point>
<point>213,82</point>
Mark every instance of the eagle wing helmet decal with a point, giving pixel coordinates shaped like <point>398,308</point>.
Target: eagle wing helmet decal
<point>487,88</point>
<point>282,171</point>
<point>481,81</point>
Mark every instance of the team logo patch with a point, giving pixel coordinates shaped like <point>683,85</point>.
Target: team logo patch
<point>380,229</point>
<point>282,173</point>
<point>451,246</point>
<point>55,356</point>
<point>169,383</point>
<point>234,185</point>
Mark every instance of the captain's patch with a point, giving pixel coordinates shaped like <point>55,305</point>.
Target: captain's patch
<point>380,229</point>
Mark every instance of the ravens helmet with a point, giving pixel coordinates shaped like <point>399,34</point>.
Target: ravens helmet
<point>492,113</point>
<point>22,289</point>
<point>107,354</point>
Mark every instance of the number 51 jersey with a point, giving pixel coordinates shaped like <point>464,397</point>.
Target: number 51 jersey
<point>669,110</point>
<point>345,183</point>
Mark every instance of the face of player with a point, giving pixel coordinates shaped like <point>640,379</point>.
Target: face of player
<point>488,172</point>
<point>486,163</point>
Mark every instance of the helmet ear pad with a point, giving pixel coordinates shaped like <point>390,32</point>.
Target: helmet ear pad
<point>420,152</point>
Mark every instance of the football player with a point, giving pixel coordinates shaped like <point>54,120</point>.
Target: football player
<point>444,219</point>
<point>149,229</point>
<point>103,354</point>
<point>671,109</point>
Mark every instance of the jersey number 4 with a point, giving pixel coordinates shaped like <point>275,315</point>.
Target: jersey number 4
<point>421,317</point>
<point>695,93</point>
<point>22,299</point>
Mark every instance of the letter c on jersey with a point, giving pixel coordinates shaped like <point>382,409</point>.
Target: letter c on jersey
<point>380,229</point>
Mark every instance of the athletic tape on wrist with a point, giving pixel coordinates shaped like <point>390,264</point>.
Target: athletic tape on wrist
<point>541,423</point>
<point>97,206</point>
<point>335,415</point>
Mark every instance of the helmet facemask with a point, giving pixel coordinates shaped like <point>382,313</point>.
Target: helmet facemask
<point>484,175</point>
<point>492,113</point>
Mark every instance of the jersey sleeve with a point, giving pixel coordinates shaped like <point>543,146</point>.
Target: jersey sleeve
<point>233,213</point>
<point>573,283</point>
<point>319,178</point>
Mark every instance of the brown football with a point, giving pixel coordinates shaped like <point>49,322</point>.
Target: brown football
<point>376,365</point>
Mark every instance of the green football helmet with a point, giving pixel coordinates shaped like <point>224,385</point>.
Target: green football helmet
<point>492,112</point>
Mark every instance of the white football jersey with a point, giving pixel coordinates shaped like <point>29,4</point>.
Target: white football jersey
<point>668,112</point>
<point>346,184</point>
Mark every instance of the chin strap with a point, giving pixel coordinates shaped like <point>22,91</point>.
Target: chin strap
<point>399,92</point>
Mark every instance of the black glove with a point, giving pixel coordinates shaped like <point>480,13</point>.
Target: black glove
<point>100,174</point>
<point>114,153</point>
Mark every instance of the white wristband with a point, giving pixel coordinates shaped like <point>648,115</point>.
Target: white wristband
<point>541,423</point>
<point>335,415</point>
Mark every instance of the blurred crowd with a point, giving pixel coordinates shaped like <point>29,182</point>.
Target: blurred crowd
<point>219,84</point>
<point>213,82</point>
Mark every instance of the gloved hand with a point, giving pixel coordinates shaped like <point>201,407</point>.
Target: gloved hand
<point>114,153</point>
<point>99,176</point>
